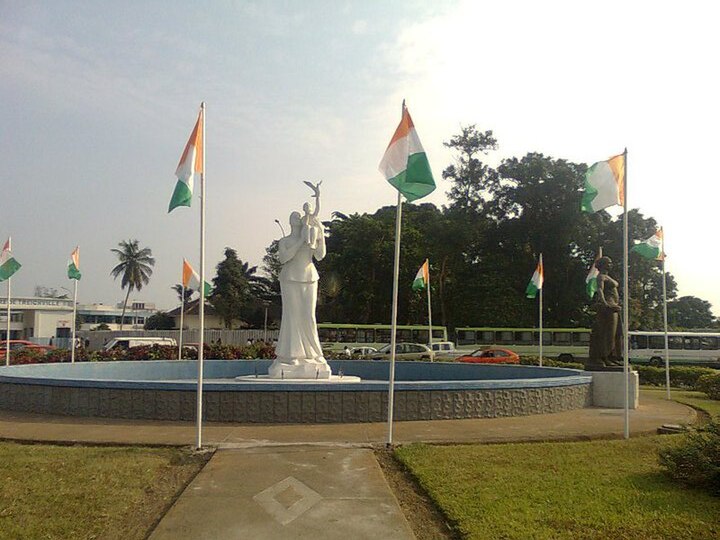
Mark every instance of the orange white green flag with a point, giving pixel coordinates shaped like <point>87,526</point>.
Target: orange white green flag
<point>192,164</point>
<point>591,285</point>
<point>536,281</point>
<point>8,263</point>
<point>604,185</point>
<point>422,278</point>
<point>74,264</point>
<point>405,164</point>
<point>191,280</point>
<point>652,248</point>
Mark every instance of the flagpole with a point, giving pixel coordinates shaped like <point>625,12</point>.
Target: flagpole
<point>541,312</point>
<point>198,442</point>
<point>7,335</point>
<point>182,318</point>
<point>74,323</point>
<point>393,322</point>
<point>626,294</point>
<point>665,317</point>
<point>430,336</point>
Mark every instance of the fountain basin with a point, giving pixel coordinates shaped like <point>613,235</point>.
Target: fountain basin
<point>166,390</point>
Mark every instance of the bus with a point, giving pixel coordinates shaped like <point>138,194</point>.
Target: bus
<point>570,344</point>
<point>335,337</point>
<point>685,348</point>
<point>566,344</point>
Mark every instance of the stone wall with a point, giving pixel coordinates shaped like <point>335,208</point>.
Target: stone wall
<point>290,407</point>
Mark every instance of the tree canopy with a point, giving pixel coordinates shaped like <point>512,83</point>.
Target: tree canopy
<point>483,248</point>
<point>134,268</point>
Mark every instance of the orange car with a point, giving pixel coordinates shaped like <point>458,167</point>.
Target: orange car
<point>17,344</point>
<point>492,355</point>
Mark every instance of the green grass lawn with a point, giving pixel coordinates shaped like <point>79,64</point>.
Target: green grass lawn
<point>87,492</point>
<point>598,489</point>
<point>699,400</point>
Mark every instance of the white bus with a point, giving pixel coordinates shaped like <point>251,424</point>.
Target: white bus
<point>685,348</point>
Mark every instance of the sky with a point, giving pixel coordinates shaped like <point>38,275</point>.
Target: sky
<point>99,99</point>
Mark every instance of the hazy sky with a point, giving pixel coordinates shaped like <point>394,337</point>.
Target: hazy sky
<point>99,99</point>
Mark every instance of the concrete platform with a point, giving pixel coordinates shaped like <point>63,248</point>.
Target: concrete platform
<point>299,492</point>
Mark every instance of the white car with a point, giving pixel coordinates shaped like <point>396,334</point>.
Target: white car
<point>404,351</point>
<point>363,350</point>
<point>130,342</point>
<point>442,348</point>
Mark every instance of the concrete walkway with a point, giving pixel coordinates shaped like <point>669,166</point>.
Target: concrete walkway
<point>298,492</point>
<point>577,424</point>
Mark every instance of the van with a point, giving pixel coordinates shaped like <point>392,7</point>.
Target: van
<point>130,342</point>
<point>443,347</point>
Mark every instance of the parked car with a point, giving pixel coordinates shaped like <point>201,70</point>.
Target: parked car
<point>130,342</point>
<point>444,348</point>
<point>403,351</point>
<point>363,351</point>
<point>492,355</point>
<point>17,344</point>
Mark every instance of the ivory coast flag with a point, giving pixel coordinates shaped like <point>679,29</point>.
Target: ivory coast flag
<point>422,278</point>
<point>652,248</point>
<point>536,281</point>
<point>405,164</point>
<point>192,162</point>
<point>591,279</point>
<point>8,264</point>
<point>604,184</point>
<point>191,280</point>
<point>74,264</point>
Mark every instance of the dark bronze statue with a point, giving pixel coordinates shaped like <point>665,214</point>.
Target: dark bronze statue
<point>606,343</point>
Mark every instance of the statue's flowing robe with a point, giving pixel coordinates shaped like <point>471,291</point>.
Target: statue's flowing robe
<point>298,338</point>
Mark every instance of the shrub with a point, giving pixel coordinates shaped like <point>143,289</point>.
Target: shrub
<point>680,376</point>
<point>695,459</point>
<point>549,362</point>
<point>710,384</point>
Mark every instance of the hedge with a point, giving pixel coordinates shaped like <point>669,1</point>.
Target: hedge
<point>680,376</point>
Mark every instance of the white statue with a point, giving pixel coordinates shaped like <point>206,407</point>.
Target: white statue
<point>299,354</point>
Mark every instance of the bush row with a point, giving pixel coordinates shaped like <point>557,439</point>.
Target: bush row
<point>694,459</point>
<point>710,384</point>
<point>149,352</point>
<point>549,362</point>
<point>680,376</point>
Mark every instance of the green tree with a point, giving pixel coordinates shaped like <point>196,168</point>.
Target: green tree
<point>160,321</point>
<point>690,312</point>
<point>238,289</point>
<point>135,267</point>
<point>183,293</point>
<point>469,176</point>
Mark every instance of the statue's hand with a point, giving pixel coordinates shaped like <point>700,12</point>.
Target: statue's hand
<point>315,187</point>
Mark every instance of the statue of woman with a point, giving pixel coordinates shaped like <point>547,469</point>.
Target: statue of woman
<point>299,354</point>
<point>606,338</point>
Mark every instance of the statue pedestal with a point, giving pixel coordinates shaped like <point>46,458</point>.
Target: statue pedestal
<point>305,370</point>
<point>608,389</point>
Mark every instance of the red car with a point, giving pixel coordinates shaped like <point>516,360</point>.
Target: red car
<point>492,355</point>
<point>17,344</point>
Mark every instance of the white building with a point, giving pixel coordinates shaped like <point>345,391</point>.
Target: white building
<point>36,318</point>
<point>93,315</point>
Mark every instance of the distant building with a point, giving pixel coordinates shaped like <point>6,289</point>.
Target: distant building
<point>93,315</point>
<point>36,317</point>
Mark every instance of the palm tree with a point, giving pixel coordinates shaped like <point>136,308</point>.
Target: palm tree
<point>135,267</point>
<point>178,288</point>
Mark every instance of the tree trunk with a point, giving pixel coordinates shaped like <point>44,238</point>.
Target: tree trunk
<point>122,317</point>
